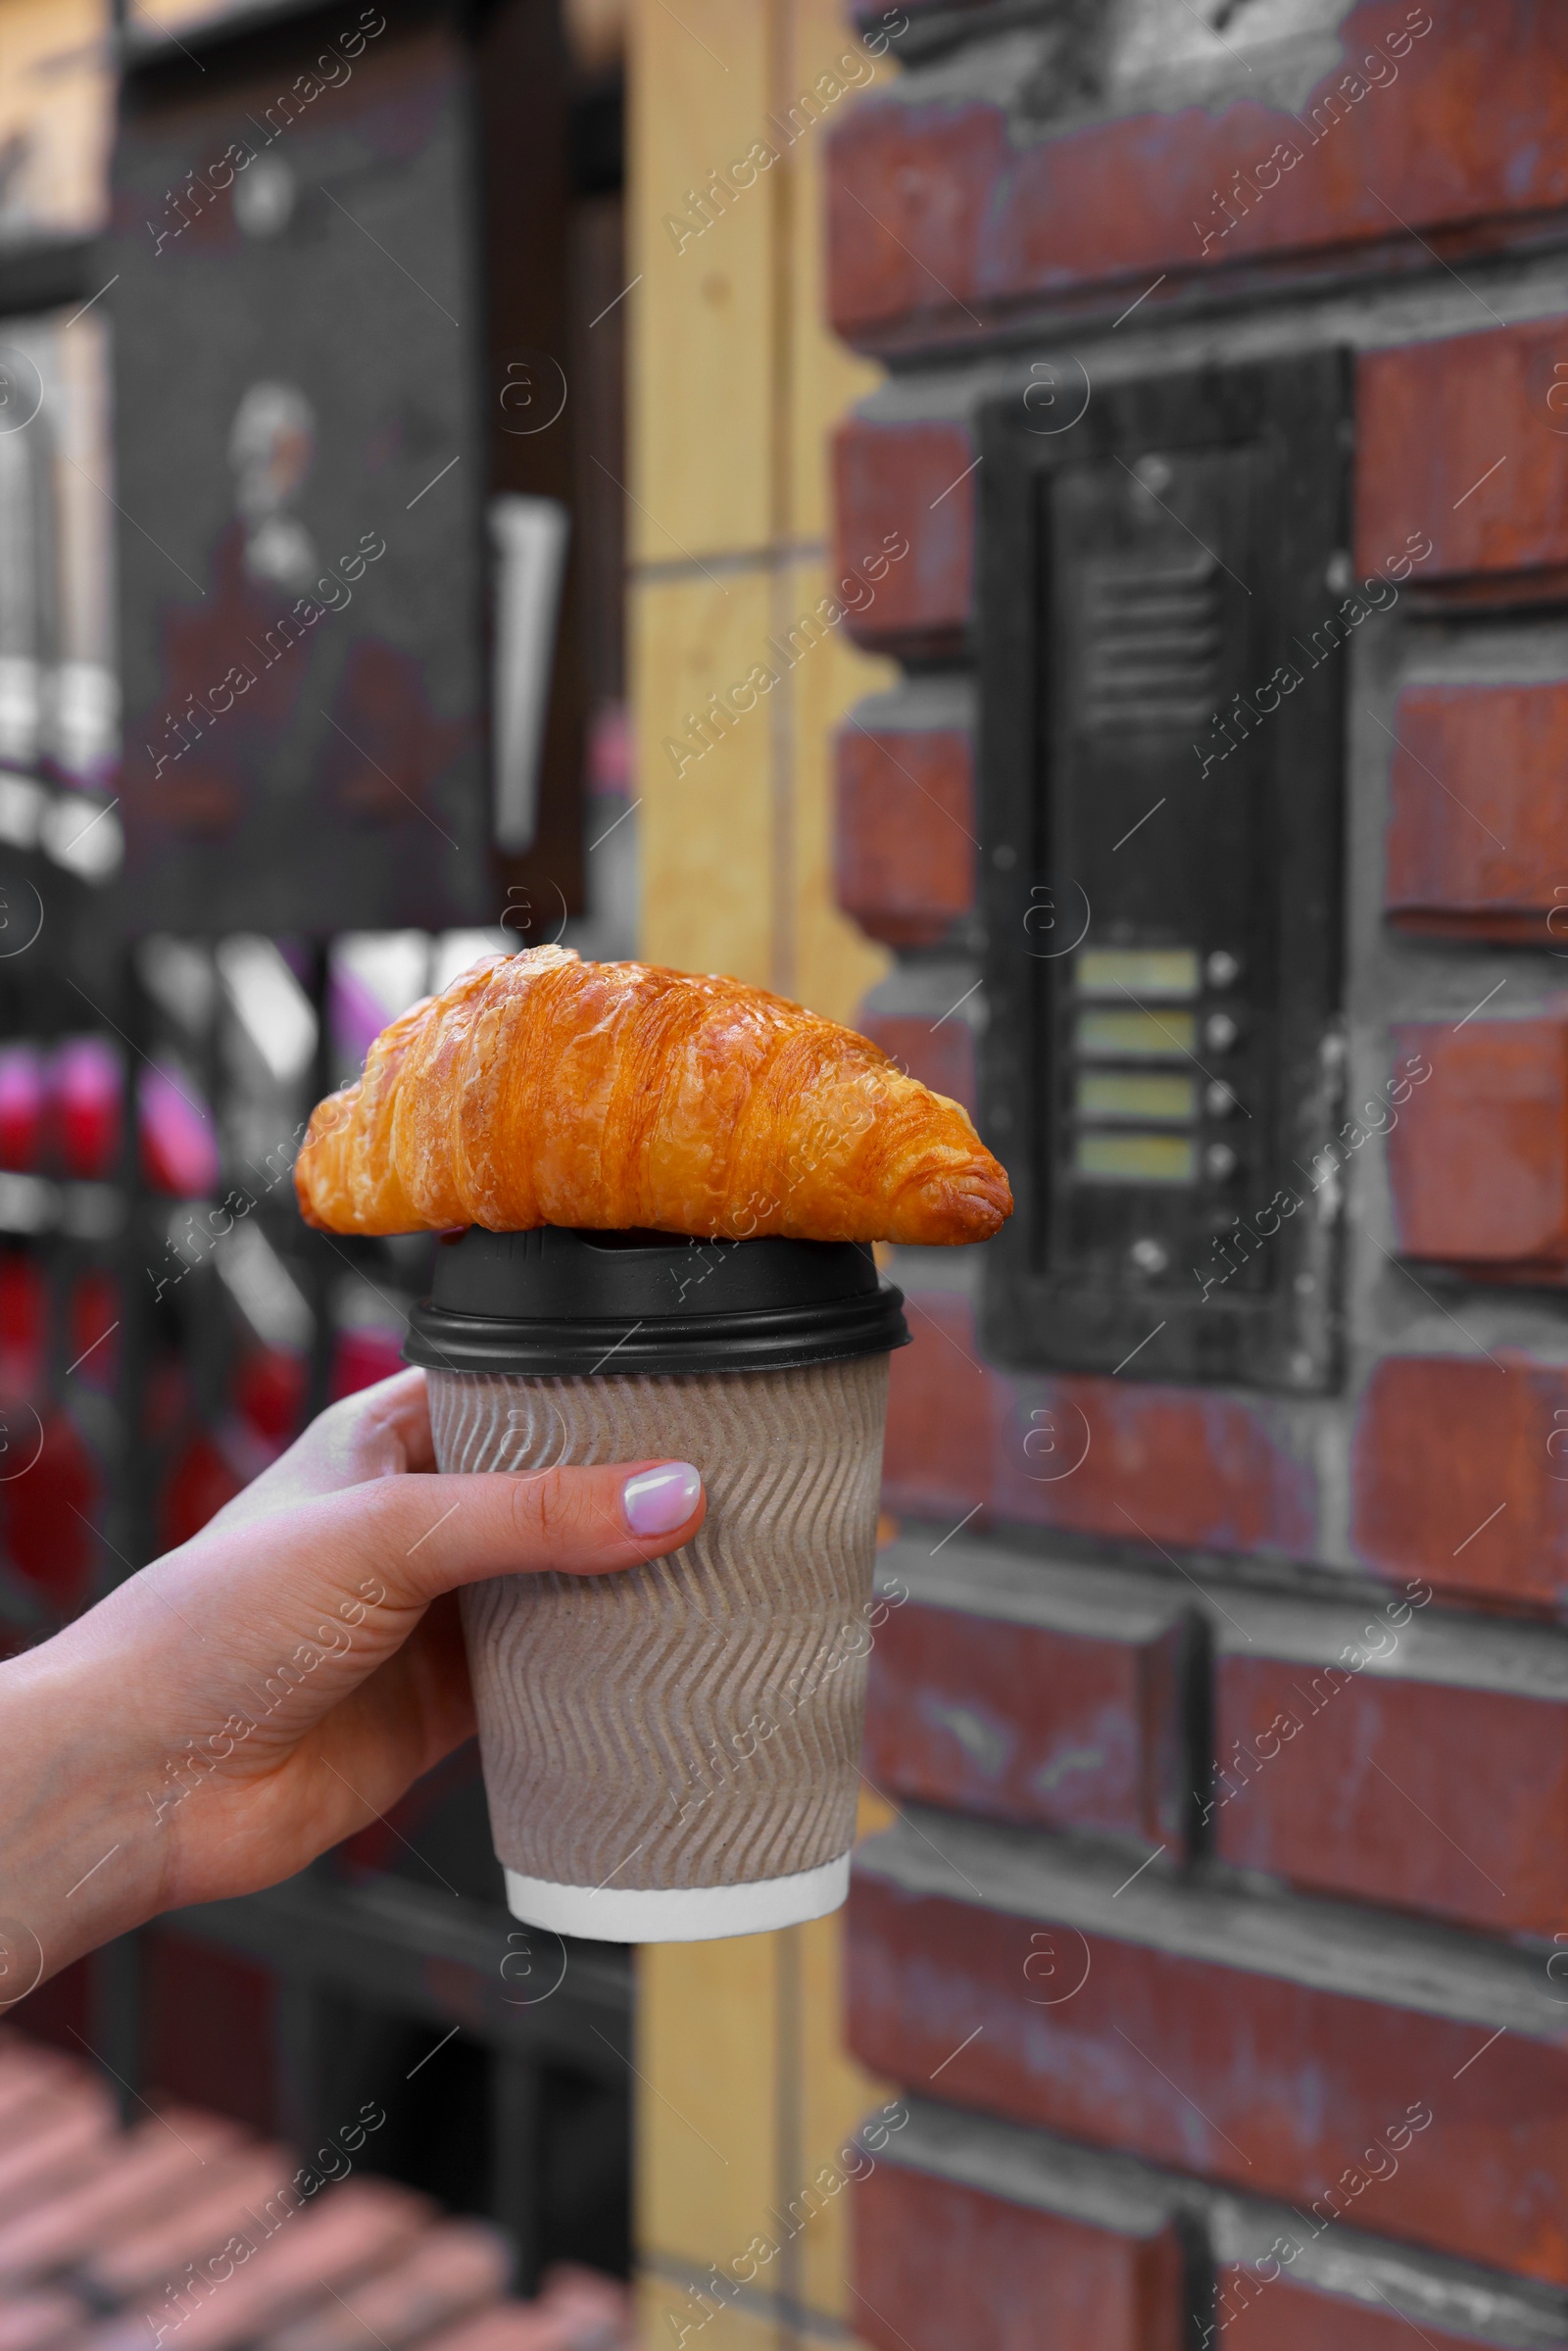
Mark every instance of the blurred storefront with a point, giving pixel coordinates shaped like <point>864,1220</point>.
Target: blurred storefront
<point>312,688</point>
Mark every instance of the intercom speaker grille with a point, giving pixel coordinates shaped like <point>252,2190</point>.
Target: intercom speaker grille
<point>1153,638</point>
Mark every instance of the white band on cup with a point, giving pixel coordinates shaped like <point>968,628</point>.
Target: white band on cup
<point>678,1914</point>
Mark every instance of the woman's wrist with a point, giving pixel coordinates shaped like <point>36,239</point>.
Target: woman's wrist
<point>78,1864</point>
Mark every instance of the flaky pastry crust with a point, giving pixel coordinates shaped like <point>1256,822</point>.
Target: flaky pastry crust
<point>538,1090</point>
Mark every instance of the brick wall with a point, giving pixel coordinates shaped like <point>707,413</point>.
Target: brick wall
<point>1217,1949</point>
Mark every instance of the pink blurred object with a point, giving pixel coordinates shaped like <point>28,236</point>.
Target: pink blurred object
<point>362,2225</point>
<point>356,1016</point>
<point>52,2140</point>
<point>38,2322</point>
<point>361,1357</point>
<point>179,1142</point>
<point>118,2182</point>
<point>577,2310</point>
<point>449,2272</point>
<point>609,753</point>
<point>26,2070</point>
<point>135,2260</point>
<point>185,2231</point>
<point>597,2312</point>
<point>21,1107</point>
<point>87,1086</point>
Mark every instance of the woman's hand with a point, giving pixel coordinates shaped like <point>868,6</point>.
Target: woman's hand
<point>250,1700</point>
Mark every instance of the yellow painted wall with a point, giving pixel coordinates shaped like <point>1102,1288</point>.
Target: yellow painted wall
<point>735,386</point>
<point>747,2104</point>
<point>747,2096</point>
<point>56,116</point>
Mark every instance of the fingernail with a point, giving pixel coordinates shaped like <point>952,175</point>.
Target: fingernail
<point>657,1500</point>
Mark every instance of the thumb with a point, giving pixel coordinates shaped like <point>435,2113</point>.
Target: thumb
<point>418,1537</point>
<point>427,1534</point>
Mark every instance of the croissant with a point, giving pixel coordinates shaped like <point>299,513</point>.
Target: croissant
<point>538,1088</point>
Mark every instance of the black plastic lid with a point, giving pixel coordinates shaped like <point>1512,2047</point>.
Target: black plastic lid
<point>570,1303</point>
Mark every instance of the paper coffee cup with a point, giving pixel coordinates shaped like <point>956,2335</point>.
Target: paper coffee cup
<point>672,1752</point>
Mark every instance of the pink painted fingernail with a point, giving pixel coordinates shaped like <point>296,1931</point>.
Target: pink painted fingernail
<point>657,1500</point>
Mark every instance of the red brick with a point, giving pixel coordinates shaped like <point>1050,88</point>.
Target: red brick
<point>909,482</point>
<point>941,1056</point>
<point>1436,419</point>
<point>1451,1476</point>
<point>942,1406</point>
<point>1478,1161</point>
<point>1268,2313</point>
<point>1475,829</point>
<point>982,1703</point>
<point>939,2264</point>
<point>946,213</point>
<point>1283,2278</point>
<point>1395,1790</point>
<point>906,830</point>
<point>1268,2083</point>
<point>1191,1467</point>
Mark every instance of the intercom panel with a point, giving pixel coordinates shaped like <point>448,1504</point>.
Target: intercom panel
<point>1166,616</point>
